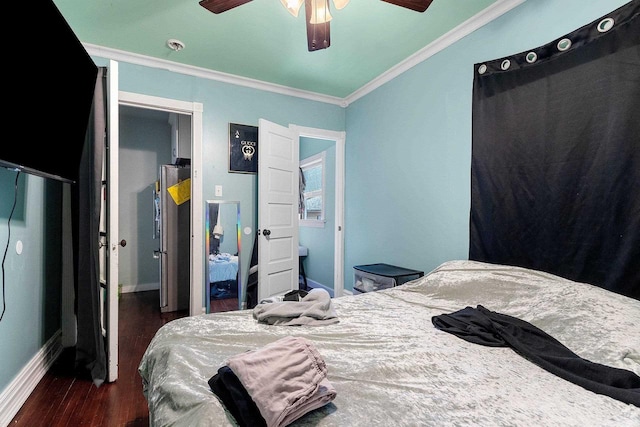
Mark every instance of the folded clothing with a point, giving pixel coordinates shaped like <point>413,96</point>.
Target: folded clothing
<point>315,309</point>
<point>226,385</point>
<point>286,379</point>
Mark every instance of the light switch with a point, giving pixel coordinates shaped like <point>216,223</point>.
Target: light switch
<point>218,190</point>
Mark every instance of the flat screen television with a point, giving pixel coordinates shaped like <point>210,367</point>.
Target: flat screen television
<point>53,78</point>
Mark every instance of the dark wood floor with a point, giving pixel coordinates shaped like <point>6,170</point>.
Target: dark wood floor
<point>65,398</point>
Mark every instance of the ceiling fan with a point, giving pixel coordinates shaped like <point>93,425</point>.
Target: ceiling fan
<point>317,14</point>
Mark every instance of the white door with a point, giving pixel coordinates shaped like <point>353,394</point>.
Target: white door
<point>278,187</point>
<point>111,224</point>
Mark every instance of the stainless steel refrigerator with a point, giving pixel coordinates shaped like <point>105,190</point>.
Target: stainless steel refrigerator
<point>173,219</point>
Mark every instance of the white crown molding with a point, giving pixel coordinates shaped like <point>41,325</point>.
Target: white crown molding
<point>482,18</point>
<point>467,27</point>
<point>134,58</point>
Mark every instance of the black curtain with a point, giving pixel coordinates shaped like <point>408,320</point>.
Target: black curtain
<point>86,198</point>
<point>555,173</point>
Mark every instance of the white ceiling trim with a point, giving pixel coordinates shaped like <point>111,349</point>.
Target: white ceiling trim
<point>470,25</point>
<point>134,58</point>
<point>487,15</point>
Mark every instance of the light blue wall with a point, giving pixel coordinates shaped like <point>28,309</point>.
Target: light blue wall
<point>319,264</point>
<point>32,280</point>
<point>408,151</point>
<point>223,104</point>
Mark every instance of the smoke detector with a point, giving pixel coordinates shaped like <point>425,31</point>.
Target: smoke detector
<point>175,44</point>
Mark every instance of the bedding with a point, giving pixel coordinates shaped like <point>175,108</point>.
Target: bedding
<point>222,267</point>
<point>389,365</point>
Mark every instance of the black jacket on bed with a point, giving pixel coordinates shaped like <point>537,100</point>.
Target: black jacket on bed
<point>485,327</point>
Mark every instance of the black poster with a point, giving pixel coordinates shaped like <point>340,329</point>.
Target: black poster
<point>243,148</point>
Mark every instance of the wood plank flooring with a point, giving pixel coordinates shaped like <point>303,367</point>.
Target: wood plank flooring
<point>65,398</point>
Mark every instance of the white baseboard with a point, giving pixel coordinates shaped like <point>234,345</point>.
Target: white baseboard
<point>140,287</point>
<point>17,392</point>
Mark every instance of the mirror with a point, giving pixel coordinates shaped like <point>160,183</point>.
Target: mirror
<point>223,284</point>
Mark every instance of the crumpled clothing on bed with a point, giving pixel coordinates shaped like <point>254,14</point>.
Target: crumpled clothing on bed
<point>315,309</point>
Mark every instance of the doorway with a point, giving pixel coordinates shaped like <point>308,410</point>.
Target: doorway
<point>109,268</point>
<point>151,105</point>
<point>317,213</point>
<point>278,208</point>
<point>156,227</point>
<point>335,142</point>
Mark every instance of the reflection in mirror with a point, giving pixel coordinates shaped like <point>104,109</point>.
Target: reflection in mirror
<point>222,230</point>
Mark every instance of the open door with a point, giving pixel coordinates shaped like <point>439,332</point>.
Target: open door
<point>109,228</point>
<point>115,99</point>
<point>278,187</point>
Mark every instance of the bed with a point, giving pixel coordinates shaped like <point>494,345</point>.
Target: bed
<point>390,365</point>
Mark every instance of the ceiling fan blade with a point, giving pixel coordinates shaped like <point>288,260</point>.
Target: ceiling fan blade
<point>417,5</point>
<point>318,35</point>
<point>219,6</point>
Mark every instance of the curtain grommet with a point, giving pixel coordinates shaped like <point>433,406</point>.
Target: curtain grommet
<point>482,69</point>
<point>531,57</point>
<point>505,65</point>
<point>605,25</point>
<point>564,44</point>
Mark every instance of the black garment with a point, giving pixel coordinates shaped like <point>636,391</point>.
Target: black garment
<point>226,385</point>
<point>485,327</point>
<point>252,281</point>
<point>295,295</point>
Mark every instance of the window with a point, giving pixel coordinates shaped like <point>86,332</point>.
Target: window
<point>312,200</point>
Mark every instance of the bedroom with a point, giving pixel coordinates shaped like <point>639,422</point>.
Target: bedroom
<point>429,186</point>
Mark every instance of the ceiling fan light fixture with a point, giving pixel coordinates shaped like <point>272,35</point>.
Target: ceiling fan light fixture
<point>339,4</point>
<point>320,12</point>
<point>293,6</point>
<point>317,15</point>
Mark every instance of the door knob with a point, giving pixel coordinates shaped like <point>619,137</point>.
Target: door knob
<point>266,232</point>
<point>123,243</point>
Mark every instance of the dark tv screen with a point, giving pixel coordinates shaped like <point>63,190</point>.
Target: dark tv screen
<point>55,78</point>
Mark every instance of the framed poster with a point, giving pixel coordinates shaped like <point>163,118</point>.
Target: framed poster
<point>243,148</point>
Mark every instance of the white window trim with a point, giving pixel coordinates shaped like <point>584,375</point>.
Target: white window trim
<point>309,162</point>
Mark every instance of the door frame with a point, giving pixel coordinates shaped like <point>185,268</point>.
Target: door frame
<point>111,221</point>
<point>193,109</point>
<point>338,253</point>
